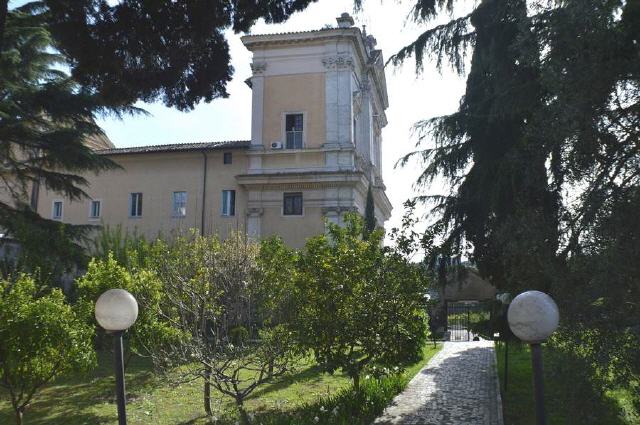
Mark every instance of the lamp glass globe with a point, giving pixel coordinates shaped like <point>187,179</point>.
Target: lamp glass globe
<point>116,310</point>
<point>533,316</point>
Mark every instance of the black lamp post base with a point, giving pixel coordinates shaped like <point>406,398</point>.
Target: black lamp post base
<point>119,370</point>
<point>538,383</point>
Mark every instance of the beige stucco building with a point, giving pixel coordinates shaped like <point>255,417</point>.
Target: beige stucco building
<point>318,108</point>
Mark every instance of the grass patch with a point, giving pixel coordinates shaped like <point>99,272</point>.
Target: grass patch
<point>572,396</point>
<point>297,399</point>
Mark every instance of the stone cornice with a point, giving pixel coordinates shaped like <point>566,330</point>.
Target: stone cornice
<point>384,202</point>
<point>261,150</point>
<point>310,180</point>
<point>260,40</point>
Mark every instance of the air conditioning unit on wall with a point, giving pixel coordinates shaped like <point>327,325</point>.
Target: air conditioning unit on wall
<point>276,145</point>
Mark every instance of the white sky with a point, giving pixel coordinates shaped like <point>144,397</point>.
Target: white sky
<point>411,98</point>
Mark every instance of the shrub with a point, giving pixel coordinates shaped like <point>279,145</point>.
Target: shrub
<point>347,407</point>
<point>144,285</point>
<point>127,248</point>
<point>42,338</point>
<point>359,304</point>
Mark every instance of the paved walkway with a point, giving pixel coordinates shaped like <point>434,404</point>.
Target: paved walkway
<point>459,386</point>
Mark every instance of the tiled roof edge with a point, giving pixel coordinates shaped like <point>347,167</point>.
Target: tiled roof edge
<point>176,147</point>
<point>249,35</point>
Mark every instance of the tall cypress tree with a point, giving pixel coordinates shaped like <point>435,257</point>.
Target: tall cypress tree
<point>495,166</point>
<point>546,132</point>
<point>543,162</point>
<point>369,213</point>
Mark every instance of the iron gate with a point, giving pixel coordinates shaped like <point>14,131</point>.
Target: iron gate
<point>461,318</point>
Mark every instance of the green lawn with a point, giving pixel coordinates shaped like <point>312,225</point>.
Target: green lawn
<point>90,399</point>
<point>569,396</point>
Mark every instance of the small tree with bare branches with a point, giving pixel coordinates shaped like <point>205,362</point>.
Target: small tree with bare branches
<point>215,300</point>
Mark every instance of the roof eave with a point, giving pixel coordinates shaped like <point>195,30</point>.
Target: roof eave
<point>256,40</point>
<point>175,148</point>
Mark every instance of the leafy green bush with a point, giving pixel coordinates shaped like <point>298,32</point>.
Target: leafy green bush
<point>144,285</point>
<point>239,335</point>
<point>42,338</point>
<point>127,248</point>
<point>347,407</point>
<point>359,304</point>
<point>236,314</point>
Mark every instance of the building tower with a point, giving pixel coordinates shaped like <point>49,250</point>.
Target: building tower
<point>318,108</point>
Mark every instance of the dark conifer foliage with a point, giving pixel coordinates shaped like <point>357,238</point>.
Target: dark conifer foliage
<point>369,213</point>
<point>45,117</point>
<point>496,167</point>
<point>173,51</point>
<point>551,108</point>
<point>543,162</point>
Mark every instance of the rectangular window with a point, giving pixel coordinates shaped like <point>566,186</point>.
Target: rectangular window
<point>135,204</point>
<point>56,212</point>
<point>294,131</point>
<point>95,210</point>
<point>292,204</point>
<point>227,158</point>
<point>229,202</point>
<point>179,204</point>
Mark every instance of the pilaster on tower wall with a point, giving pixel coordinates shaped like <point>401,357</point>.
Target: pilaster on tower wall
<point>338,113</point>
<point>257,112</point>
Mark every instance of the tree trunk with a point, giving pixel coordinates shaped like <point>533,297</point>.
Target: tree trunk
<point>207,390</point>
<point>244,417</point>
<point>127,359</point>
<point>19,416</point>
<point>4,10</point>
<point>356,382</point>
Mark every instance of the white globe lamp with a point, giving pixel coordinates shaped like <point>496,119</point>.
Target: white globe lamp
<point>116,310</point>
<point>533,316</point>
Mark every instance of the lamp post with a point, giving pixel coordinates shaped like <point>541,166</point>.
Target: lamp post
<point>116,311</point>
<point>533,316</point>
<point>505,300</point>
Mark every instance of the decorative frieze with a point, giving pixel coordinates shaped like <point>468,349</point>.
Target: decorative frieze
<point>338,210</point>
<point>300,186</point>
<point>338,62</point>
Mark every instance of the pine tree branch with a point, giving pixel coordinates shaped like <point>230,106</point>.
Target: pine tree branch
<point>450,41</point>
<point>425,10</point>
